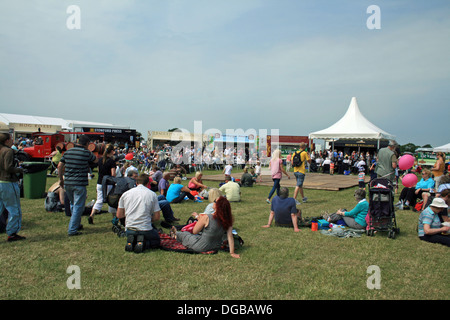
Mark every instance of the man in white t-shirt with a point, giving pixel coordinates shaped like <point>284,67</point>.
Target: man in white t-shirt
<point>139,206</point>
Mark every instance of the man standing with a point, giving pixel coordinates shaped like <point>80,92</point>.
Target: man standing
<point>139,206</point>
<point>9,188</point>
<point>300,170</point>
<point>73,171</point>
<point>387,162</point>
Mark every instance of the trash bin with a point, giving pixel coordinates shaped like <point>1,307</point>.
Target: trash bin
<point>34,179</point>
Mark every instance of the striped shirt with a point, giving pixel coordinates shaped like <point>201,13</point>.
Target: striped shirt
<point>77,161</point>
<point>427,216</point>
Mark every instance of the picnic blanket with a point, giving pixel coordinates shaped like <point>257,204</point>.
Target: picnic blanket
<point>169,244</point>
<point>343,232</point>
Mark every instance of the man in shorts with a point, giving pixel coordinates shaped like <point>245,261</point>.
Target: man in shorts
<point>300,171</point>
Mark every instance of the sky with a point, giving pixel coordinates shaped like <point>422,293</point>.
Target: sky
<point>287,65</point>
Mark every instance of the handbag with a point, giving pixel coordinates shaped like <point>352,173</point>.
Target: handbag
<point>419,205</point>
<point>189,227</point>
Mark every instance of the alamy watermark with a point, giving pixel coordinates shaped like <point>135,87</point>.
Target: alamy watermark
<point>73,22</point>
<point>212,146</point>
<point>374,21</point>
<point>74,281</point>
<point>374,280</point>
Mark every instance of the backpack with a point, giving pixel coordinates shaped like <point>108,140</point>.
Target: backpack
<point>52,202</point>
<point>297,159</point>
<point>120,186</point>
<point>238,242</point>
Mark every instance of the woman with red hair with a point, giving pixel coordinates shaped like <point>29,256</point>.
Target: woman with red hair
<point>209,230</point>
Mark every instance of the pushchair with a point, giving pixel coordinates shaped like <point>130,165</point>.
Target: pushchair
<point>381,215</point>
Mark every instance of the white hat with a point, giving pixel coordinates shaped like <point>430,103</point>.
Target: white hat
<point>438,203</point>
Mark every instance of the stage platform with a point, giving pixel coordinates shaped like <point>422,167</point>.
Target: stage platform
<point>313,180</point>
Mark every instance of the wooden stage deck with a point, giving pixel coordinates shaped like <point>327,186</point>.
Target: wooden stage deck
<point>314,180</point>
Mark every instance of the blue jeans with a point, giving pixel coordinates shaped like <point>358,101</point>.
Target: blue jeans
<point>166,209</point>
<point>183,194</point>
<point>151,237</point>
<point>10,200</point>
<point>276,186</point>
<point>77,197</point>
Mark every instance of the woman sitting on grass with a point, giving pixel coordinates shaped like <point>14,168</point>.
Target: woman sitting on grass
<point>208,232</point>
<point>177,192</point>
<point>196,183</point>
<point>356,218</point>
<point>213,195</point>
<point>408,196</point>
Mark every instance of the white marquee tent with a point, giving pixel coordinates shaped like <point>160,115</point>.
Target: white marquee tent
<point>353,125</point>
<point>445,148</point>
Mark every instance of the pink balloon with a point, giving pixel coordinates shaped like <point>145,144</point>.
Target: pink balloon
<point>406,162</point>
<point>409,180</point>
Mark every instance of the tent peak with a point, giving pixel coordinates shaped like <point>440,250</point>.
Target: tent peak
<point>353,125</point>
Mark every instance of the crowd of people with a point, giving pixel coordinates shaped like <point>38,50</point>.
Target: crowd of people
<point>337,162</point>
<point>148,192</point>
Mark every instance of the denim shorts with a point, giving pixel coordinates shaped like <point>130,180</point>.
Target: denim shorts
<point>300,178</point>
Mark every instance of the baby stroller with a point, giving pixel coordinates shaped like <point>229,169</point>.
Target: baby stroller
<point>381,215</point>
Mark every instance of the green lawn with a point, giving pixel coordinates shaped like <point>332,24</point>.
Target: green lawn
<point>275,263</point>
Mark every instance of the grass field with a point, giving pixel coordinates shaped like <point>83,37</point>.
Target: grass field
<point>275,264</point>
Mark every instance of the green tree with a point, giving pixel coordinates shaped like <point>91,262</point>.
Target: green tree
<point>409,147</point>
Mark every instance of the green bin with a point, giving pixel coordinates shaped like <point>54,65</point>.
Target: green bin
<point>35,179</point>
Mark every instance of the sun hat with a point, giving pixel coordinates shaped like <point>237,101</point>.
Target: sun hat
<point>439,203</point>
